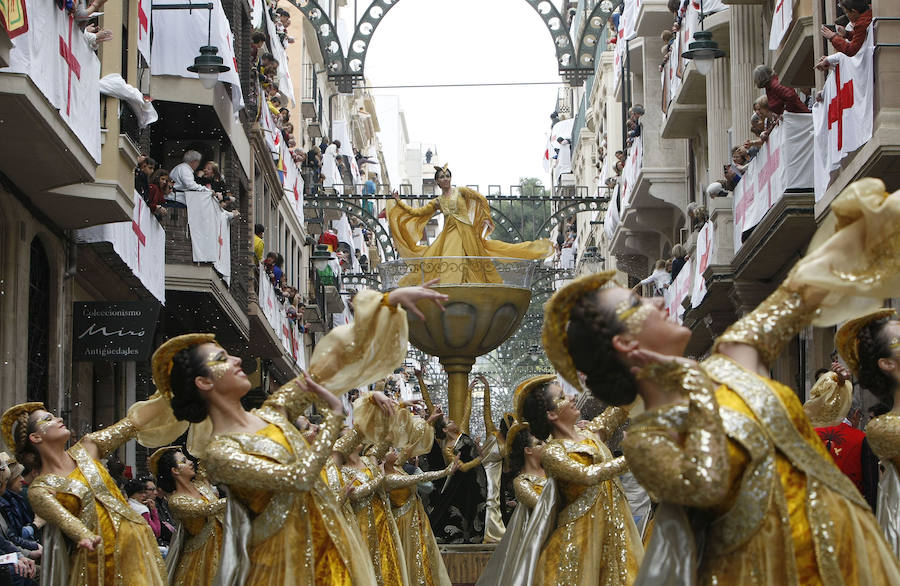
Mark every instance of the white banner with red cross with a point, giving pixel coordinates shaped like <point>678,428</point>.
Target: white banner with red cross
<point>56,56</point>
<point>143,24</point>
<point>628,20</point>
<point>292,183</point>
<point>271,132</point>
<point>285,329</point>
<point>702,253</point>
<point>782,18</point>
<point>140,243</point>
<point>784,163</point>
<point>843,117</point>
<point>210,228</point>
<point>631,171</point>
<point>678,291</point>
<point>285,84</point>
<point>178,36</point>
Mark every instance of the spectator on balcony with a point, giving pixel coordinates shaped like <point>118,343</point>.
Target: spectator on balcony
<point>257,42</point>
<point>716,189</point>
<point>259,244</point>
<point>781,98</point>
<point>145,168</point>
<point>160,186</point>
<point>210,177</point>
<point>678,260</point>
<point>287,131</point>
<point>758,128</point>
<point>183,176</point>
<point>761,107</point>
<point>659,279</point>
<point>849,41</point>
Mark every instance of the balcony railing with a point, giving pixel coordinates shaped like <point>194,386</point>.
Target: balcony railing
<point>285,329</point>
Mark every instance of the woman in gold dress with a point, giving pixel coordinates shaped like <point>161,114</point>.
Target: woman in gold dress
<point>729,449</point>
<point>493,452</point>
<point>594,538</point>
<point>193,556</point>
<point>86,513</point>
<point>467,223</point>
<point>284,525</point>
<point>870,346</point>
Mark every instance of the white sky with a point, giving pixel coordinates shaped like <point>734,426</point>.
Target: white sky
<point>488,135</point>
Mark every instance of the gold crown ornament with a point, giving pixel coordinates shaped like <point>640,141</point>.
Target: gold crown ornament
<point>846,340</point>
<point>514,431</point>
<point>153,461</point>
<point>162,358</point>
<point>17,414</point>
<point>524,389</point>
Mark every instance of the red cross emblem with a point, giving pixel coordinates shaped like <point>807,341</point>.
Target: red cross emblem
<point>740,210</point>
<point>220,240</point>
<point>136,228</point>
<point>779,10</point>
<point>768,169</point>
<point>704,260</point>
<point>296,193</point>
<point>840,102</point>
<point>68,55</point>
<point>142,21</point>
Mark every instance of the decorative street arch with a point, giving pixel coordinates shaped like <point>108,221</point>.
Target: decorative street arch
<point>346,67</point>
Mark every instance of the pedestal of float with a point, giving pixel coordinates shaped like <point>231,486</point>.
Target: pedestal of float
<point>466,562</point>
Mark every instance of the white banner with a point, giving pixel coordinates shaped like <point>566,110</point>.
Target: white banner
<point>292,183</point>
<point>285,85</point>
<point>210,228</point>
<point>619,56</point>
<point>285,329</point>
<point>781,22</point>
<point>843,118</point>
<point>271,132</point>
<point>143,24</point>
<point>57,58</point>
<point>631,171</point>
<point>705,240</point>
<point>628,19</point>
<point>178,36</point>
<point>140,243</point>
<point>256,13</point>
<point>611,219</point>
<point>678,291</point>
<point>784,162</point>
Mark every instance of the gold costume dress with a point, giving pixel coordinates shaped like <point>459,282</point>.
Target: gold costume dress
<point>377,524</point>
<point>504,566</point>
<point>86,503</point>
<point>193,556</point>
<point>424,564</point>
<point>883,434</point>
<point>778,510</point>
<point>595,540</point>
<point>493,450</point>
<point>465,211</point>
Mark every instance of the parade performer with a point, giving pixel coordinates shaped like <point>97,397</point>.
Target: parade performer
<point>870,346</point>
<point>524,455</point>
<point>594,538</point>
<point>92,536</point>
<point>284,525</point>
<point>193,556</point>
<point>727,448</point>
<point>493,452</point>
<point>467,224</point>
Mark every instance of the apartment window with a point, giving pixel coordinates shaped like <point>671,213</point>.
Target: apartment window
<point>38,373</point>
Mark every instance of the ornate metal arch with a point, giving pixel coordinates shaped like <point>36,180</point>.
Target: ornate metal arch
<point>349,207</point>
<point>347,69</point>
<point>585,205</point>
<point>501,220</point>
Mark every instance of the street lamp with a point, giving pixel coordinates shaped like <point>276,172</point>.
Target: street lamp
<point>320,257</point>
<point>703,50</point>
<point>207,65</point>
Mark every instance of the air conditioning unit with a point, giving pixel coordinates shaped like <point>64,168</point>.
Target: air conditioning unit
<point>175,149</point>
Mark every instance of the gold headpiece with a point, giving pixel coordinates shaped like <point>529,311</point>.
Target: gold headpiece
<point>153,461</point>
<point>346,443</point>
<point>14,415</point>
<point>846,340</point>
<point>633,316</point>
<point>444,168</point>
<point>162,358</point>
<point>524,389</point>
<point>515,430</point>
<point>556,319</point>
<point>829,401</point>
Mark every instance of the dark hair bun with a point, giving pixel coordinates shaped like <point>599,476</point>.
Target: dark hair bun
<point>873,346</point>
<point>187,402</point>
<point>534,410</point>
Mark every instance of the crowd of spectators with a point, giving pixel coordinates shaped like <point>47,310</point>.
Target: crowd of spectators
<point>161,189</point>
<point>272,265</point>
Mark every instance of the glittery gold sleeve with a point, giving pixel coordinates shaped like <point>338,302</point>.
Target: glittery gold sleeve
<point>426,395</point>
<point>394,481</point>
<point>883,434</point>
<point>110,438</point>
<point>688,465</point>
<point>605,424</point>
<point>293,399</point>
<point>489,427</point>
<point>228,463</point>
<point>771,325</point>
<point>427,210</point>
<point>188,507</point>
<point>466,466</point>
<point>525,493</point>
<point>367,488</point>
<point>557,463</point>
<point>43,502</point>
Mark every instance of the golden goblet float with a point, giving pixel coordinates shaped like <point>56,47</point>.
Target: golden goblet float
<point>478,316</point>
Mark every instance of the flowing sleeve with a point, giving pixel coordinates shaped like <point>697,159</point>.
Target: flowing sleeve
<point>689,468</point>
<point>482,208</point>
<point>46,506</point>
<point>408,225</point>
<point>352,355</point>
<point>367,488</point>
<point>557,463</point>
<point>185,507</point>
<point>883,433</point>
<point>525,493</point>
<point>228,463</point>
<point>606,424</point>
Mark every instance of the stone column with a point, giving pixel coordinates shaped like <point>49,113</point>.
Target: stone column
<point>718,120</point>
<point>746,53</point>
<point>721,213</point>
